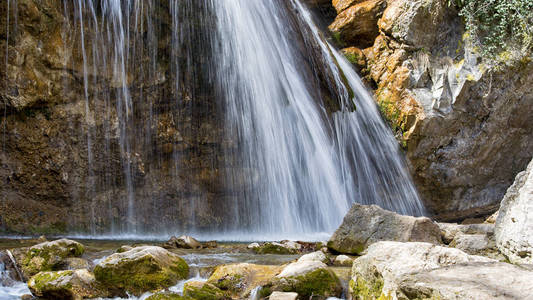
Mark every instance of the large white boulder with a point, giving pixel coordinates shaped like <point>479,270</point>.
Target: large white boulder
<point>379,272</point>
<point>514,225</point>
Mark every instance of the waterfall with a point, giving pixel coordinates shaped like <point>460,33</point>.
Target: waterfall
<point>307,167</point>
<point>233,119</point>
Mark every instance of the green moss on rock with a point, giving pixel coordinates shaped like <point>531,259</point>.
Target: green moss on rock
<point>274,248</point>
<point>48,256</point>
<point>307,280</point>
<point>141,269</point>
<point>203,291</point>
<point>363,290</point>
<point>168,296</point>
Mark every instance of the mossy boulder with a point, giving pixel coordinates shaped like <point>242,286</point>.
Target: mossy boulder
<point>168,296</point>
<point>306,278</point>
<point>47,256</point>
<point>141,269</point>
<point>203,291</point>
<point>277,248</point>
<point>240,279</point>
<point>67,285</point>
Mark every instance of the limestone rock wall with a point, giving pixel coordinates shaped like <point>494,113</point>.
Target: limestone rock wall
<point>63,163</point>
<point>465,124</point>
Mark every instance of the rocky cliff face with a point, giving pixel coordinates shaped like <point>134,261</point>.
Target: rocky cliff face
<point>465,124</point>
<point>71,158</point>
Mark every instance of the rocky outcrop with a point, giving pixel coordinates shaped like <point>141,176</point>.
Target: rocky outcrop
<point>514,225</point>
<point>379,272</point>
<point>47,256</point>
<point>66,285</point>
<point>368,224</point>
<point>141,269</point>
<point>462,120</point>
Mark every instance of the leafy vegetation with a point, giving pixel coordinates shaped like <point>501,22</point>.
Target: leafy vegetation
<point>501,26</point>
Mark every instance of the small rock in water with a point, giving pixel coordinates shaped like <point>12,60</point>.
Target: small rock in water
<point>285,247</point>
<point>253,246</point>
<point>343,260</point>
<point>241,279</point>
<point>210,244</point>
<point>184,242</point>
<point>315,256</point>
<point>283,296</point>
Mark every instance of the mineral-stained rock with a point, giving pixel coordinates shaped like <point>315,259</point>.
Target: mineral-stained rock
<point>140,270</point>
<point>364,225</point>
<point>203,291</point>
<point>357,25</point>
<point>47,256</point>
<point>379,272</point>
<point>306,278</point>
<point>471,282</point>
<point>341,5</point>
<point>514,226</point>
<point>66,285</point>
<point>241,279</point>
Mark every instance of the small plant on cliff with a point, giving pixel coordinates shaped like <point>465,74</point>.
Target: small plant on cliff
<point>501,26</point>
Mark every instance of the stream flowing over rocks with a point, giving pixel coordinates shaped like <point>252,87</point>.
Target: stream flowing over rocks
<point>226,149</point>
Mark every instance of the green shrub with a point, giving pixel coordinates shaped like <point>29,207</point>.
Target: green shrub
<point>500,26</point>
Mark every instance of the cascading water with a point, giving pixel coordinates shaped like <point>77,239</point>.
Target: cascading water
<point>231,117</point>
<point>306,169</point>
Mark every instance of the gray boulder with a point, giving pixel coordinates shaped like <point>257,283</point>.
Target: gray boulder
<point>379,272</point>
<point>368,224</point>
<point>514,225</point>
